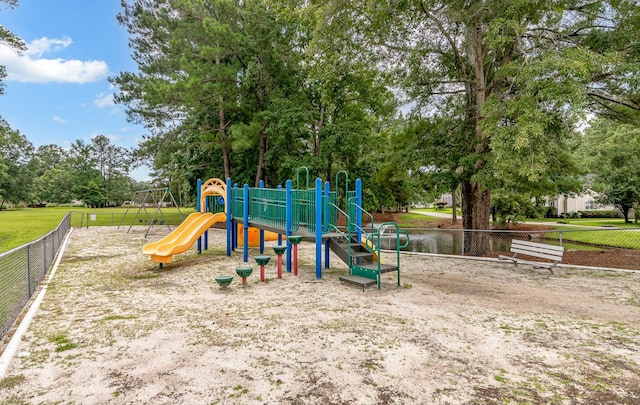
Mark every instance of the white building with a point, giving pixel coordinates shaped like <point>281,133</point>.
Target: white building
<point>570,204</point>
<point>566,205</point>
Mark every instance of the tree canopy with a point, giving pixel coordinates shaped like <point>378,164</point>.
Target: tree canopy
<point>500,84</point>
<point>236,87</point>
<point>611,151</point>
<point>477,98</point>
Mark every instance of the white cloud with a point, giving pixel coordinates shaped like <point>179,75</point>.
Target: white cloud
<point>31,67</point>
<point>59,120</point>
<point>103,100</point>
<point>37,47</point>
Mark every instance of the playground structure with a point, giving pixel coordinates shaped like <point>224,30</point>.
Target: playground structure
<point>334,220</point>
<point>158,198</point>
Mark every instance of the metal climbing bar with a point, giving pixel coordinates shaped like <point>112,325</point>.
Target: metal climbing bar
<point>331,210</point>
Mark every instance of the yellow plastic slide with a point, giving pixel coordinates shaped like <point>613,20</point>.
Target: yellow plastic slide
<point>183,237</point>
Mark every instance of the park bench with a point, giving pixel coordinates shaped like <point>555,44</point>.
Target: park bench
<point>534,249</point>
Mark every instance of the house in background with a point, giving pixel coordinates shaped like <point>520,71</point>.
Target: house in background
<point>567,205</point>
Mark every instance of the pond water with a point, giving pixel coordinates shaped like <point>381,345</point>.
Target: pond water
<point>442,241</point>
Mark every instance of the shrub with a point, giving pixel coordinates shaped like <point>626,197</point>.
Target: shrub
<point>551,212</point>
<point>599,214</point>
<point>510,208</point>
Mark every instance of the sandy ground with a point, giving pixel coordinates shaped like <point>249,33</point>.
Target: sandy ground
<point>115,329</point>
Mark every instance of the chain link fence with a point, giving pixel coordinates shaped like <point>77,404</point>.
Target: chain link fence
<point>609,247</point>
<point>127,220</point>
<point>22,269</point>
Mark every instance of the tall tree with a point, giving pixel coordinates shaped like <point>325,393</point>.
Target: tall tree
<point>113,163</point>
<point>187,54</point>
<point>246,88</point>
<point>16,175</point>
<point>615,91</point>
<point>511,77</point>
<point>611,155</point>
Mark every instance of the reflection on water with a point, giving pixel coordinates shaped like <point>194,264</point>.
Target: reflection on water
<point>441,241</point>
<point>436,241</point>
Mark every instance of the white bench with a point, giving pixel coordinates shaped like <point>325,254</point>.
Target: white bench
<point>535,249</point>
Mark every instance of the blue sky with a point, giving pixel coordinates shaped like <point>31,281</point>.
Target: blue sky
<point>57,91</point>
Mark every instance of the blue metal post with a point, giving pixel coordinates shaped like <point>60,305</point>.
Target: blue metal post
<point>288,221</point>
<point>206,233</point>
<point>245,217</point>
<point>261,185</point>
<point>227,210</point>
<point>358,211</point>
<point>234,228</point>
<point>327,213</point>
<point>199,209</point>
<point>318,228</point>
<point>279,235</point>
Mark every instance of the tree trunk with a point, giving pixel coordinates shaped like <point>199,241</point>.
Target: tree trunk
<point>476,210</point>
<point>261,153</point>
<point>260,97</point>
<point>454,203</point>
<point>625,213</point>
<point>225,162</point>
<point>329,165</point>
<point>316,135</point>
<point>476,199</point>
<point>222,129</point>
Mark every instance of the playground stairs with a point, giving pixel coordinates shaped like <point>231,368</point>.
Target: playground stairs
<point>364,267</point>
<point>350,252</point>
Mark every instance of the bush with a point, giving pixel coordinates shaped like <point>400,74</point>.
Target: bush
<point>599,214</point>
<point>551,212</point>
<point>510,208</point>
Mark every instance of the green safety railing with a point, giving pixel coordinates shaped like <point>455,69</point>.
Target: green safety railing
<point>373,236</point>
<point>298,185</point>
<point>366,227</point>
<point>237,202</point>
<point>331,209</point>
<point>344,232</point>
<point>374,239</point>
<point>268,206</point>
<point>303,210</point>
<point>215,205</point>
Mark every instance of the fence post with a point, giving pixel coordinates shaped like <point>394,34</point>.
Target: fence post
<point>28,270</point>
<point>560,238</point>
<point>44,255</point>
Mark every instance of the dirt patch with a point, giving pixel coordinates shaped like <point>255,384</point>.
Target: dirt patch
<point>114,329</point>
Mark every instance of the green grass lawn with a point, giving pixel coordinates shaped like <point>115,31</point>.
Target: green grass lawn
<point>617,238</point>
<point>412,220</point>
<point>604,222</point>
<point>447,210</point>
<point>23,225</point>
